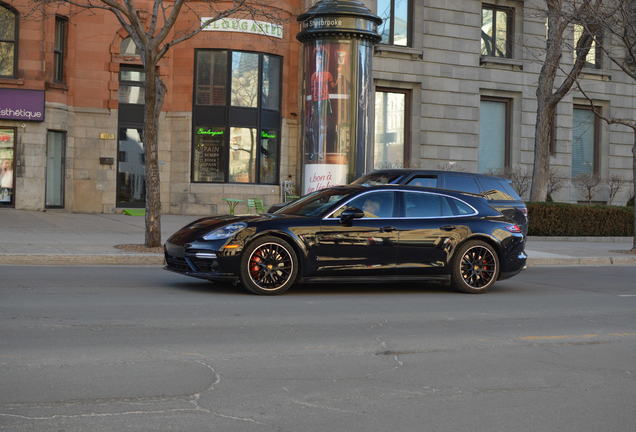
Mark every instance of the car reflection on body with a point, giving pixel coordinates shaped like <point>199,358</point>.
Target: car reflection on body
<point>355,233</point>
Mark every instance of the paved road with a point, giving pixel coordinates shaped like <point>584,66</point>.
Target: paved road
<point>140,349</point>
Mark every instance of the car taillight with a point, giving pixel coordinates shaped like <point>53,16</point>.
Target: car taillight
<point>513,228</point>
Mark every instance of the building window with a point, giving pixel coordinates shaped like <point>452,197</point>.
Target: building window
<point>8,41</point>
<point>395,28</point>
<point>593,57</point>
<point>585,142</point>
<point>391,116</point>
<point>236,117</point>
<point>61,26</point>
<point>131,85</point>
<point>494,134</point>
<point>128,47</point>
<point>496,31</point>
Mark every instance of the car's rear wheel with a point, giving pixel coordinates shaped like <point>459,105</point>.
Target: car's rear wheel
<point>269,266</point>
<point>475,267</point>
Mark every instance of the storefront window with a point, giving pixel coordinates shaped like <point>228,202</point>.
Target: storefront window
<point>271,82</point>
<point>243,145</point>
<point>211,78</point>
<point>209,149</point>
<point>390,118</point>
<point>242,155</point>
<point>268,155</point>
<point>7,146</point>
<point>244,79</point>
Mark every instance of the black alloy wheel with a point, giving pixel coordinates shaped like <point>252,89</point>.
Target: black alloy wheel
<point>475,267</point>
<point>269,266</point>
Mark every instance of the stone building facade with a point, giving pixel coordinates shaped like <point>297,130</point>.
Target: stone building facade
<point>453,91</point>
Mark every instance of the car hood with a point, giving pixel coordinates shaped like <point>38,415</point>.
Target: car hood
<point>195,230</point>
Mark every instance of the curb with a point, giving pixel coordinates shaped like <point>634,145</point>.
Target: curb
<point>585,261</point>
<point>81,259</point>
<point>582,239</point>
<point>157,260</point>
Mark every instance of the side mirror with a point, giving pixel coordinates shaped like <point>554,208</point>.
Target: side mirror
<point>351,213</point>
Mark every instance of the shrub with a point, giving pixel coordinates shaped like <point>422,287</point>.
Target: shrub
<point>559,219</point>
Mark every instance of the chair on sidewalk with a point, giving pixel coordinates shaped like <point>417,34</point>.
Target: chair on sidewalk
<point>255,205</point>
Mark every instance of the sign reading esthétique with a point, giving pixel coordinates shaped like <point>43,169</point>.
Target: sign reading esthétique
<point>244,26</point>
<point>24,105</point>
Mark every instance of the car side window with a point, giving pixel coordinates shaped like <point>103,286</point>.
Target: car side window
<point>418,204</point>
<point>374,205</point>
<point>461,182</point>
<point>460,208</point>
<point>423,181</point>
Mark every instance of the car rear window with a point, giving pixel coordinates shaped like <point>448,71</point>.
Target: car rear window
<point>498,189</point>
<point>462,183</point>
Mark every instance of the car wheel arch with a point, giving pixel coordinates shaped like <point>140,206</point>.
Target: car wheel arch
<point>298,250</point>
<point>486,239</point>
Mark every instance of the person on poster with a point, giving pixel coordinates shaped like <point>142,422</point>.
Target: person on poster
<point>6,180</point>
<point>322,82</point>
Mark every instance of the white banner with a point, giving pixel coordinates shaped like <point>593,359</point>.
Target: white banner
<point>320,176</point>
<point>244,26</point>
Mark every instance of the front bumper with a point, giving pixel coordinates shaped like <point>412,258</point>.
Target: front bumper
<point>200,262</point>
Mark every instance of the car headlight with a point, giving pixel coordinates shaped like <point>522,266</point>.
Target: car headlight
<point>225,232</point>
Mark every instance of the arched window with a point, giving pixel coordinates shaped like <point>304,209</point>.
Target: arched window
<point>128,47</point>
<point>8,41</point>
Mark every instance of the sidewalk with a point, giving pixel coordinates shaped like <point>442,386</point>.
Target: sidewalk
<point>58,238</point>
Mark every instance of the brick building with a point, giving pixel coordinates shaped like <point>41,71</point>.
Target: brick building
<point>455,84</point>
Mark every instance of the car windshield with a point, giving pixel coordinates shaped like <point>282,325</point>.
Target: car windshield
<point>376,179</point>
<point>314,204</point>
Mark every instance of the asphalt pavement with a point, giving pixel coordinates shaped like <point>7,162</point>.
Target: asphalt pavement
<point>142,349</point>
<point>57,237</point>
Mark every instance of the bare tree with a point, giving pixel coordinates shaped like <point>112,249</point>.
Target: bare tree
<point>561,14</point>
<point>614,185</point>
<point>151,25</point>
<point>588,183</point>
<point>617,23</point>
<point>519,177</point>
<point>555,183</point>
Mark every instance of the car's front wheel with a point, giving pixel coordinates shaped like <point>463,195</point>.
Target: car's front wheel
<point>475,267</point>
<point>269,266</point>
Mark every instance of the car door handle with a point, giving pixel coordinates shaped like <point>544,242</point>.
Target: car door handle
<point>448,227</point>
<point>387,229</point>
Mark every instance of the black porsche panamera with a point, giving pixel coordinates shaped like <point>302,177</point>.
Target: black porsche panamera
<point>355,233</point>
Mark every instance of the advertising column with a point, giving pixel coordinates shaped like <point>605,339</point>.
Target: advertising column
<point>338,38</point>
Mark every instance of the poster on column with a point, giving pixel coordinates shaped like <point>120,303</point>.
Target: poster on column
<point>328,105</point>
<point>321,176</point>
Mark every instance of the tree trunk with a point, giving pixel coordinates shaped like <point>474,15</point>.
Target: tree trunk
<point>155,91</point>
<point>542,132</point>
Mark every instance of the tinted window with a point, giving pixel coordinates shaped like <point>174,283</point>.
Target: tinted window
<point>315,203</point>
<point>463,183</point>
<point>460,208</point>
<point>376,179</point>
<point>428,181</point>
<point>374,205</point>
<point>425,205</point>
<point>499,189</point>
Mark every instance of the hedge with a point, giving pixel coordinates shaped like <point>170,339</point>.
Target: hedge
<point>559,219</point>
